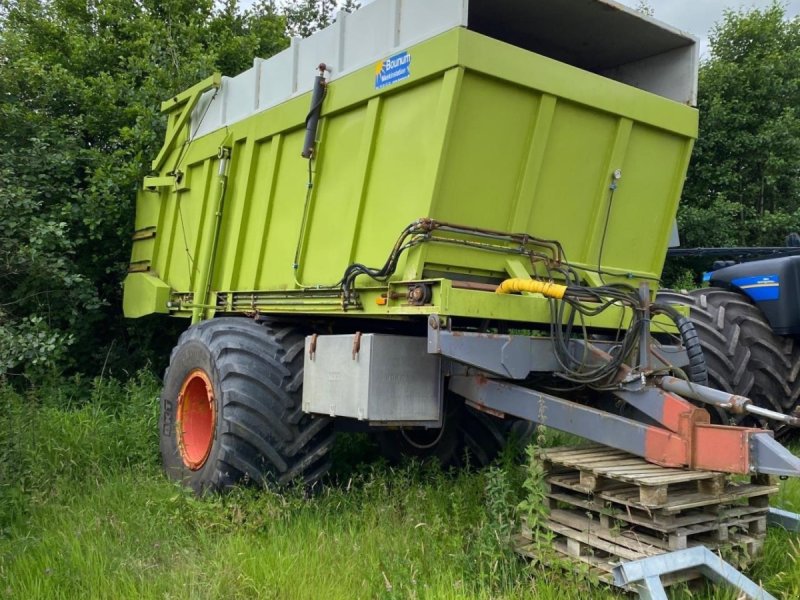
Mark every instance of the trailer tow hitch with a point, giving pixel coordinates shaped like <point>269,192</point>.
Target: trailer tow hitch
<point>682,435</point>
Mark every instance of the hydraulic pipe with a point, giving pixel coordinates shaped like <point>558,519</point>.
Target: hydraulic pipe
<point>205,268</point>
<point>312,120</point>
<point>644,339</point>
<point>730,402</point>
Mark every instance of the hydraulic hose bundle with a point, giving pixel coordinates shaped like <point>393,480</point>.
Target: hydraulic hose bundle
<point>570,302</point>
<point>549,252</point>
<point>582,301</point>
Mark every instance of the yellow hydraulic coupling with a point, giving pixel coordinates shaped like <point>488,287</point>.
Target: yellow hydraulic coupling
<point>548,289</point>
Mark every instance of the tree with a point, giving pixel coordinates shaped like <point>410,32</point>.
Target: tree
<point>304,17</point>
<point>79,121</point>
<point>743,186</point>
<point>644,7</point>
<point>82,82</point>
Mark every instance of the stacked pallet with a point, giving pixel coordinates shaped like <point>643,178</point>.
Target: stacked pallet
<point>608,506</point>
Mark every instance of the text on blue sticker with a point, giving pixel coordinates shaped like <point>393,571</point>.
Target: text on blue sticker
<point>393,69</point>
<point>760,287</point>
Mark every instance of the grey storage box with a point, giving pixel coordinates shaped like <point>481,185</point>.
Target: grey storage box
<point>383,379</point>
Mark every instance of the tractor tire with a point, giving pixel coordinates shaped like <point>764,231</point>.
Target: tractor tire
<point>231,409</point>
<point>468,437</point>
<point>742,353</point>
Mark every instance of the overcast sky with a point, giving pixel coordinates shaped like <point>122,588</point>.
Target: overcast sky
<point>698,16</point>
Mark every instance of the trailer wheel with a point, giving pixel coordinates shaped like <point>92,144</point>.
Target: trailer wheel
<point>467,437</point>
<point>231,409</point>
<point>742,353</point>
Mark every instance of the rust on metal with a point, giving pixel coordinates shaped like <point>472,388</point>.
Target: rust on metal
<point>312,347</point>
<point>472,285</point>
<point>139,266</point>
<point>722,448</point>
<point>146,233</point>
<point>624,370</point>
<point>485,409</point>
<point>737,404</point>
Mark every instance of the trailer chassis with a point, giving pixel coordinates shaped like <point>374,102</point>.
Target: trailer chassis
<point>489,370</point>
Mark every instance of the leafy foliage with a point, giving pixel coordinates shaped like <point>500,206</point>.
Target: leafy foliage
<point>644,7</point>
<point>79,121</point>
<point>304,17</point>
<point>744,183</point>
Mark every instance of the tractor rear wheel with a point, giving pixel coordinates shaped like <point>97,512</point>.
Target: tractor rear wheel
<point>742,353</point>
<point>231,409</point>
<point>468,437</point>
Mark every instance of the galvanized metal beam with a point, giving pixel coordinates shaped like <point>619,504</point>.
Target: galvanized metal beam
<point>771,458</point>
<point>683,438</point>
<point>512,356</point>
<point>783,518</point>
<point>672,412</point>
<point>644,576</point>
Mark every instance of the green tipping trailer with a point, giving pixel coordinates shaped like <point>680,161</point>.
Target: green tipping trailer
<point>476,131</point>
<point>420,222</point>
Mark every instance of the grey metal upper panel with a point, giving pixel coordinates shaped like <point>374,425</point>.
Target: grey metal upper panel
<point>591,34</point>
<point>600,36</point>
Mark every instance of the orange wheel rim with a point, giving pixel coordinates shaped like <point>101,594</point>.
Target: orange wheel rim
<point>196,419</point>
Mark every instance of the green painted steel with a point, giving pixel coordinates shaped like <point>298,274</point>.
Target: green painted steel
<point>481,134</point>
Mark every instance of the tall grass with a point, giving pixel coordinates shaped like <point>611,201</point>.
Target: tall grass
<point>75,435</point>
<point>86,513</point>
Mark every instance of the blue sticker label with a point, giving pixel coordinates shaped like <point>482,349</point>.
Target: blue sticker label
<point>393,69</point>
<point>760,287</point>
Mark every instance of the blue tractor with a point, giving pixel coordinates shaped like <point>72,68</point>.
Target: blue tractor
<point>748,323</point>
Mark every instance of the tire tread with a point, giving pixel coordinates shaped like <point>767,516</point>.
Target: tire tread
<point>265,435</point>
<point>744,356</point>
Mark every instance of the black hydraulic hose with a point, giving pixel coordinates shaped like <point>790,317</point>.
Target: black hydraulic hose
<point>698,370</point>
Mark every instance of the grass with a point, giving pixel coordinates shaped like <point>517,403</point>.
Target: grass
<point>86,513</point>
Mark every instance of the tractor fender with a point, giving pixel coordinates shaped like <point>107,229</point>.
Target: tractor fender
<point>773,285</point>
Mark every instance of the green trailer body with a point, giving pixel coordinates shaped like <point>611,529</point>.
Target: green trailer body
<point>475,131</point>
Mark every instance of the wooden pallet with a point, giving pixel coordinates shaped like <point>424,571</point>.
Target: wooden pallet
<point>608,507</point>
<point>601,469</point>
<point>673,532</point>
